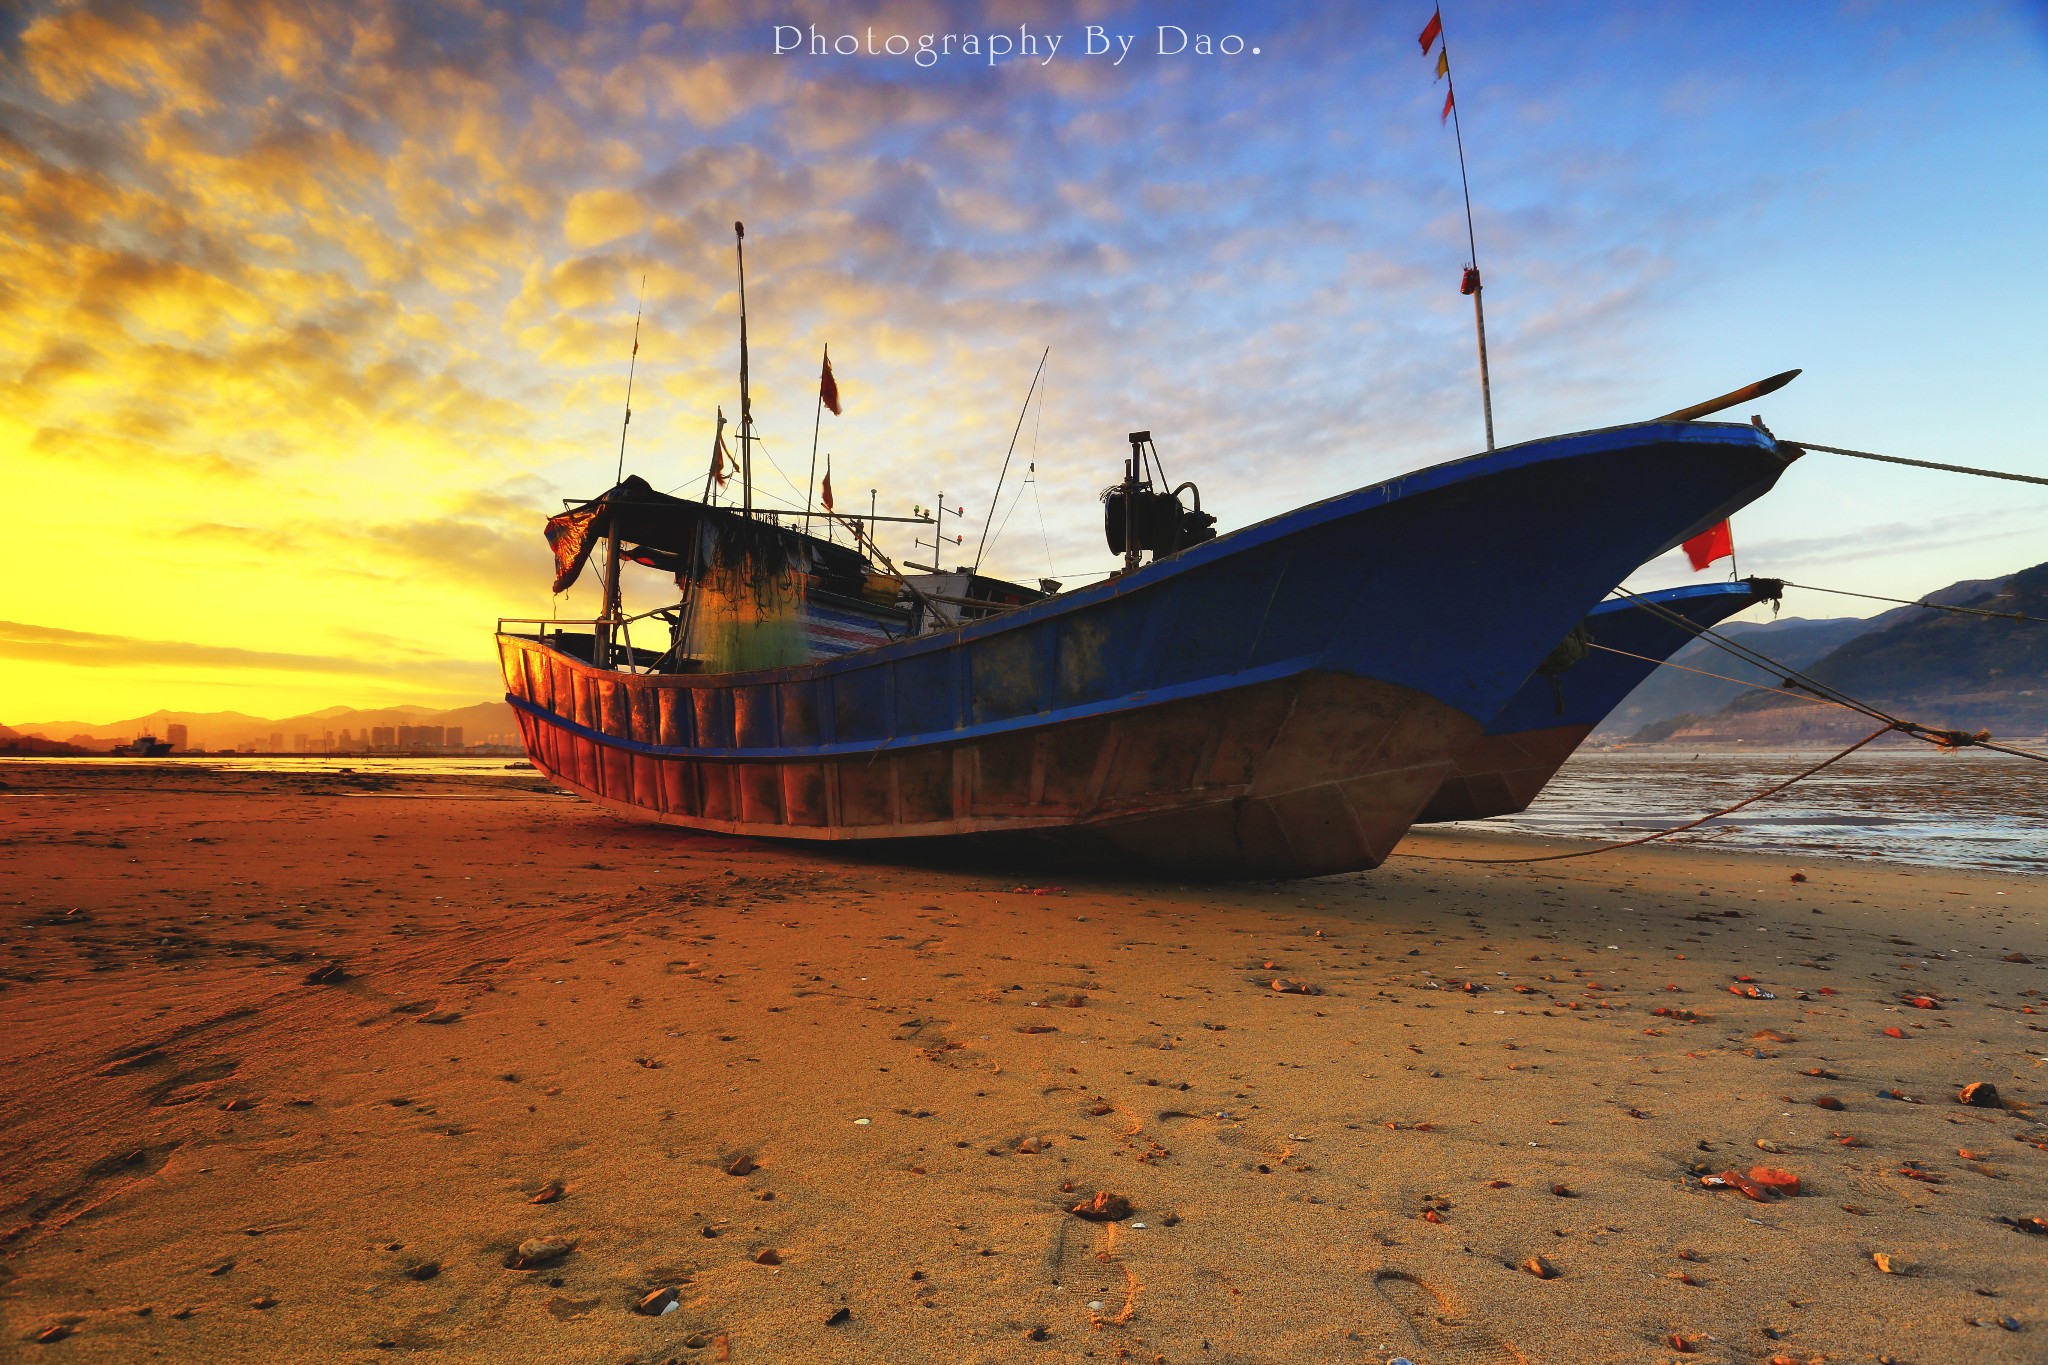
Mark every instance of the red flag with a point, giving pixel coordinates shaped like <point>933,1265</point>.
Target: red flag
<point>828,387</point>
<point>1450,99</point>
<point>1432,31</point>
<point>1716,542</point>
<point>825,488</point>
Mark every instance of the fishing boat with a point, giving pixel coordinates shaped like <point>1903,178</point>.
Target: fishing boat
<point>1603,659</point>
<point>143,746</point>
<point>1282,700</point>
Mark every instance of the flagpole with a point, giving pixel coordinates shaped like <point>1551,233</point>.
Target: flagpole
<point>1471,241</point>
<point>817,418</point>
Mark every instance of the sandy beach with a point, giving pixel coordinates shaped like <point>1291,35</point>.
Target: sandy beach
<point>362,1067</point>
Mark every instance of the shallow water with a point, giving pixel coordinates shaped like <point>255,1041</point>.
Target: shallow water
<point>510,765</point>
<point>1954,810</point>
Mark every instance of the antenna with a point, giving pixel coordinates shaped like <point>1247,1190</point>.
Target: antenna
<point>746,401</point>
<point>1006,460</point>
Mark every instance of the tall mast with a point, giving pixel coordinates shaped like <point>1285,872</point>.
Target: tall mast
<point>746,400</point>
<point>613,604</point>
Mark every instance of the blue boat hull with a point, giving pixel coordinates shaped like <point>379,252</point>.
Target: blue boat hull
<point>1545,722</point>
<point>1281,701</point>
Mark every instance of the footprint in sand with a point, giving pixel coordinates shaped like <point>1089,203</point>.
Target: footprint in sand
<point>1442,1336</point>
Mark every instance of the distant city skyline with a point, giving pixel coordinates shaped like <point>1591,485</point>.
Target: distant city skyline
<point>312,312</point>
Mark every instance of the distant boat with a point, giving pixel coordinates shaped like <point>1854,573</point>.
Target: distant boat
<point>1283,700</point>
<point>143,746</point>
<point>1617,646</point>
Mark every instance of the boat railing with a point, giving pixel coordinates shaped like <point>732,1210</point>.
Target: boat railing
<point>542,627</point>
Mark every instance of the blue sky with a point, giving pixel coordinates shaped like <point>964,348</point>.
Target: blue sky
<point>360,280</point>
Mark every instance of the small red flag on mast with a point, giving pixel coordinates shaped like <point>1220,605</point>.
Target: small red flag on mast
<point>825,488</point>
<point>828,388</point>
<point>1449,100</point>
<point>1716,542</point>
<point>1432,31</point>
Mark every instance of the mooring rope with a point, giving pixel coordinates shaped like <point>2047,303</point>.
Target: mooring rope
<point>1721,677</point>
<point>1947,740</point>
<point>1931,606</point>
<point>1935,735</point>
<point>1675,829</point>
<point>1919,464</point>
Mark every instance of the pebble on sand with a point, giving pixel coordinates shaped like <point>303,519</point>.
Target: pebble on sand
<point>767,1256</point>
<point>548,1193</point>
<point>1540,1268</point>
<point>1103,1208</point>
<point>741,1165</point>
<point>657,1302</point>
<point>535,1252</point>
<point>844,1315</point>
<point>1885,1262</point>
<point>1289,986</point>
<point>1981,1095</point>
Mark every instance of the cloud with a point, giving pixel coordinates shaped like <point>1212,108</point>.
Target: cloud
<point>87,649</point>
<point>595,217</point>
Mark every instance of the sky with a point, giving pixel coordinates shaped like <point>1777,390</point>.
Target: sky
<point>310,313</point>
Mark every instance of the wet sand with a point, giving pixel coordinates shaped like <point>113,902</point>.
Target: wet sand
<point>918,1071</point>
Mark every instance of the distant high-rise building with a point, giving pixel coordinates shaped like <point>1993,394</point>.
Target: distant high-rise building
<point>177,735</point>
<point>300,743</point>
<point>383,737</point>
<point>276,742</point>
<point>454,737</point>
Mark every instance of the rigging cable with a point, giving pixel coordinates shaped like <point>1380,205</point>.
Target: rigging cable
<point>997,498</point>
<point>1931,606</point>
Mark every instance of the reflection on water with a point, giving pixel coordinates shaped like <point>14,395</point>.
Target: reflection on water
<point>1917,806</point>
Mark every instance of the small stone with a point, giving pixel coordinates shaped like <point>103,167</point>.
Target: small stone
<point>657,1302</point>
<point>1103,1208</point>
<point>1037,1334</point>
<point>844,1315</point>
<point>548,1193</point>
<point>539,1251</point>
<point>1563,1191</point>
<point>1540,1268</point>
<point>741,1165</point>
<point>1884,1262</point>
<point>54,1332</point>
<point>263,1301</point>
<point>767,1256</point>
<point>425,1270</point>
<point>327,974</point>
<point>1981,1095</point>
<point>1289,986</point>
<point>1828,1102</point>
<point>223,1268</point>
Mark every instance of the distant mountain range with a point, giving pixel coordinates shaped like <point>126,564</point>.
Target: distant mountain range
<point>480,724</point>
<point>1938,668</point>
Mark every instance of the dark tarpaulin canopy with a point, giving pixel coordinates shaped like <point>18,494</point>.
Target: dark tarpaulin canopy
<point>678,535</point>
